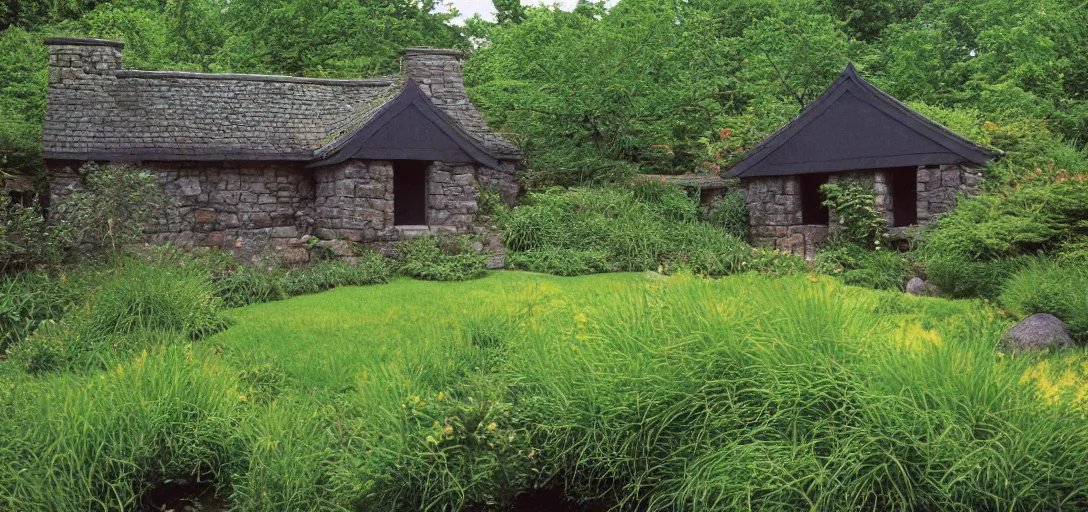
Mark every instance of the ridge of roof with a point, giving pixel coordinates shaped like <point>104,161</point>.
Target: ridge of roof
<point>433,51</point>
<point>82,41</point>
<point>850,77</point>
<point>140,73</point>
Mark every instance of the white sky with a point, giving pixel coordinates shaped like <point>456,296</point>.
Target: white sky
<point>485,9</point>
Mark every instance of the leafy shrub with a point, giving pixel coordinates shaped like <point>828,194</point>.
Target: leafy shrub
<point>250,284</point>
<point>957,277</point>
<point>428,258</point>
<point>560,262</point>
<point>731,214</point>
<point>370,268</point>
<point>30,298</point>
<point>1074,251</point>
<point>880,269</point>
<point>489,201</point>
<point>669,201</point>
<point>1049,287</point>
<point>112,207</point>
<point>633,234</point>
<point>27,239</point>
<point>837,258</point>
<point>1025,221</point>
<point>855,207</point>
<point>988,238</point>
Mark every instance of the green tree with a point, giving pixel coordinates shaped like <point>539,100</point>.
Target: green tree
<point>509,11</point>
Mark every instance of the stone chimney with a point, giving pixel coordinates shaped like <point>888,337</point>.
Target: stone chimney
<point>72,59</point>
<point>438,73</point>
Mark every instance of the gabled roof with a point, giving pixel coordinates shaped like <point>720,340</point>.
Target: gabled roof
<point>855,126</point>
<point>409,126</point>
<point>134,115</point>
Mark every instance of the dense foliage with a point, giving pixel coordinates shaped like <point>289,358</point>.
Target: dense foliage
<point>989,238</point>
<point>647,84</point>
<point>664,393</point>
<point>604,91</point>
<point>647,226</point>
<point>1049,287</point>
<point>439,259</point>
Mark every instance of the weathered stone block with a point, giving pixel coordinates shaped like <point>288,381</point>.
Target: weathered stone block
<point>204,216</point>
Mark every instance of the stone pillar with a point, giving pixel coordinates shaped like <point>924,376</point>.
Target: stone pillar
<point>354,201</point>
<point>882,196</point>
<point>451,198</point>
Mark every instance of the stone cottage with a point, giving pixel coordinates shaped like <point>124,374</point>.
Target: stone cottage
<point>917,168</point>
<point>254,163</point>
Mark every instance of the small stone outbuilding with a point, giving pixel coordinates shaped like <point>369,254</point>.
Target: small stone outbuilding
<point>253,163</point>
<point>917,167</point>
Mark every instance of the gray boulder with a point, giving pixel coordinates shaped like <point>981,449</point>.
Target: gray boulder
<point>338,248</point>
<point>917,286</point>
<point>1040,331</point>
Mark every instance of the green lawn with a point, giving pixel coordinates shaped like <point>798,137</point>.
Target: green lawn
<point>331,339</point>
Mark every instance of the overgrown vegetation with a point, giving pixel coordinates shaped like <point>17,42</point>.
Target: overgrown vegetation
<point>108,211</point>
<point>988,239</point>
<point>641,393</point>
<point>858,248</point>
<point>438,259</point>
<point>859,222</point>
<point>649,226</point>
<point>672,393</point>
<point>731,214</point>
<point>1049,287</point>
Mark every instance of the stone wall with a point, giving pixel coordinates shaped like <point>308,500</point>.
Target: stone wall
<point>451,198</point>
<point>249,209</point>
<point>260,207</point>
<point>938,189</point>
<point>774,204</point>
<point>502,180</point>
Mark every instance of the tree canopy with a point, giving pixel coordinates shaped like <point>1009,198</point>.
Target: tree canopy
<point>610,89</point>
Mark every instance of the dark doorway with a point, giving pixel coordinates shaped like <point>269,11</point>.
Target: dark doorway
<point>903,187</point>
<point>813,210</point>
<point>410,192</point>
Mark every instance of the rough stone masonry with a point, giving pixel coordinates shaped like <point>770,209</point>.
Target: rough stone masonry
<point>241,158</point>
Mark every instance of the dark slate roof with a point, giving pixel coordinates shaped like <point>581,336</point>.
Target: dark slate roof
<point>408,126</point>
<point>183,116</point>
<point>855,126</point>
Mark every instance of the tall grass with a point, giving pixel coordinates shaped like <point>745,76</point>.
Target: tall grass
<point>645,394</point>
<point>100,442</point>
